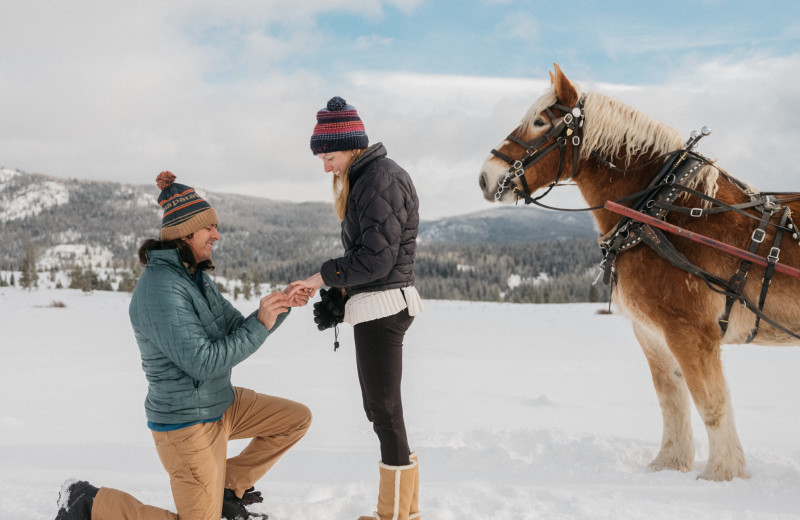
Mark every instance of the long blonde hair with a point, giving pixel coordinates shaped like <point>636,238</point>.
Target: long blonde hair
<point>341,185</point>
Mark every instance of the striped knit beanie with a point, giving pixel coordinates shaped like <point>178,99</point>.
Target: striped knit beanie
<point>338,128</point>
<point>184,211</point>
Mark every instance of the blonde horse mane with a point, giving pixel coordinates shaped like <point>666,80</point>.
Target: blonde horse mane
<point>613,129</point>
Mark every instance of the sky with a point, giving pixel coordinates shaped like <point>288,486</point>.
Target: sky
<point>224,94</point>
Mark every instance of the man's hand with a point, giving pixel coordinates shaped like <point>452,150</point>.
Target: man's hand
<point>271,306</point>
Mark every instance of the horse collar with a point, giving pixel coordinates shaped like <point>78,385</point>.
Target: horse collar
<point>663,189</point>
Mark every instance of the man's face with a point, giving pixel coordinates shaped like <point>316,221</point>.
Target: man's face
<point>201,242</point>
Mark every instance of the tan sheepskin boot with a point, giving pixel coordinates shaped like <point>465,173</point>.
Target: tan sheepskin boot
<point>395,492</point>
<point>413,510</point>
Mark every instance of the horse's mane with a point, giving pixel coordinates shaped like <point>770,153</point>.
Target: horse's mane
<point>613,129</point>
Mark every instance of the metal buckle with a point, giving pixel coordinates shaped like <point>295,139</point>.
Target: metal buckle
<point>758,236</point>
<point>774,253</point>
<point>576,141</point>
<point>771,203</point>
<point>696,212</point>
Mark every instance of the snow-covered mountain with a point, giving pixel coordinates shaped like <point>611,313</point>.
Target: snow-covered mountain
<point>66,219</point>
<point>507,225</point>
<point>30,199</point>
<point>72,221</point>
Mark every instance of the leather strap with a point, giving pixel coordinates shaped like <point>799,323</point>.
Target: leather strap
<point>739,279</point>
<point>772,259</point>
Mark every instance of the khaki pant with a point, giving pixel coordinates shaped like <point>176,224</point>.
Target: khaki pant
<point>195,458</point>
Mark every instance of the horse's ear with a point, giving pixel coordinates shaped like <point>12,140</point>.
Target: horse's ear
<point>552,78</point>
<point>565,92</point>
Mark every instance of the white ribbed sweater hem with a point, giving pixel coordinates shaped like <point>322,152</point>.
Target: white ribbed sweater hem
<point>380,304</point>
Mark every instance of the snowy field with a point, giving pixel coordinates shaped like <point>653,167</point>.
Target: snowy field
<point>518,412</point>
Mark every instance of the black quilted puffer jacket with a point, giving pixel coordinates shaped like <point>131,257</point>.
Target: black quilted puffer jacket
<point>379,231</point>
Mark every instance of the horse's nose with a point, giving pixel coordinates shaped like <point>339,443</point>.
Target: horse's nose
<point>482,181</point>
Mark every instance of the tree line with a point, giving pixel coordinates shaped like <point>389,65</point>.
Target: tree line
<point>274,242</point>
<point>560,271</point>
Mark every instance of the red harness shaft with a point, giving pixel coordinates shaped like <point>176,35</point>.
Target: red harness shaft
<point>701,239</point>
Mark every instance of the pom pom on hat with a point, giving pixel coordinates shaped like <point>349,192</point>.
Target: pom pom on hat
<point>338,128</point>
<point>336,103</point>
<point>165,180</point>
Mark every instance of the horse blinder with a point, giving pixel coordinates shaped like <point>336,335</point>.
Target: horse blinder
<point>564,128</point>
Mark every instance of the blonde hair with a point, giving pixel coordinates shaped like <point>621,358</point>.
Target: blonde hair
<point>616,129</point>
<point>341,185</point>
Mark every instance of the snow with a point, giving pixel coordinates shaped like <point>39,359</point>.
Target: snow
<point>515,280</point>
<point>531,412</point>
<point>31,201</point>
<point>141,199</point>
<point>84,255</point>
<point>6,175</point>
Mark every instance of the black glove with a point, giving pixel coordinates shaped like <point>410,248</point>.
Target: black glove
<point>329,310</point>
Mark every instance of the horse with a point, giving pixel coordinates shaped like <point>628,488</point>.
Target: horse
<point>684,299</point>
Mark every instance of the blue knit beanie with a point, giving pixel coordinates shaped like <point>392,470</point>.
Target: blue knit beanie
<point>338,128</point>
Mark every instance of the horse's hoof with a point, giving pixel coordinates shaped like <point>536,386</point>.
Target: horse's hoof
<point>718,474</point>
<point>669,463</point>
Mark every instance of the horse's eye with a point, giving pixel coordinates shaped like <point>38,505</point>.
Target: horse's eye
<point>539,122</point>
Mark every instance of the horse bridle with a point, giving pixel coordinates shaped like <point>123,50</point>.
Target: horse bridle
<point>560,132</point>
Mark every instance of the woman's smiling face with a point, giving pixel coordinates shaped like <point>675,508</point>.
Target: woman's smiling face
<point>336,162</point>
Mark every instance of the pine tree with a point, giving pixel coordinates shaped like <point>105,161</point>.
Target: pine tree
<point>29,277</point>
<point>127,281</point>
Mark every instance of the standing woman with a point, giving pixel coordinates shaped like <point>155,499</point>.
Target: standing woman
<point>378,206</point>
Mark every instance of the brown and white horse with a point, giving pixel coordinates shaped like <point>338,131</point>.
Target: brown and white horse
<point>675,314</point>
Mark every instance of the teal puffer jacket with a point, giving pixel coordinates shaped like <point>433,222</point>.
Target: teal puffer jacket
<point>189,341</point>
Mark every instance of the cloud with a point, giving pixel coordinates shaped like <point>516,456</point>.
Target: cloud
<point>370,42</point>
<point>750,105</point>
<point>407,6</point>
<point>442,127</point>
<point>520,27</point>
<point>226,98</point>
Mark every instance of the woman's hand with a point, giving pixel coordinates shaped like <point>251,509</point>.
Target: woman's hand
<point>309,286</point>
<point>297,298</point>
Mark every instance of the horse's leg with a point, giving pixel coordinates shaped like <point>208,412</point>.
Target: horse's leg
<point>677,444</point>
<point>697,349</point>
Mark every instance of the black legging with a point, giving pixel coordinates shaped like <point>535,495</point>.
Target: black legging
<point>379,355</point>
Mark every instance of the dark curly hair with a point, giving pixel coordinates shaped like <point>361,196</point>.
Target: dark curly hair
<point>184,251</point>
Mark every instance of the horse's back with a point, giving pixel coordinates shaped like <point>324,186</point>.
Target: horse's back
<point>664,292</point>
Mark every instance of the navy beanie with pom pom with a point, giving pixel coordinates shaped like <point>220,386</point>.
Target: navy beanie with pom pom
<point>184,211</point>
<point>338,128</point>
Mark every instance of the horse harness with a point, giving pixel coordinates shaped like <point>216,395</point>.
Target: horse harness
<point>657,200</point>
<point>668,184</point>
